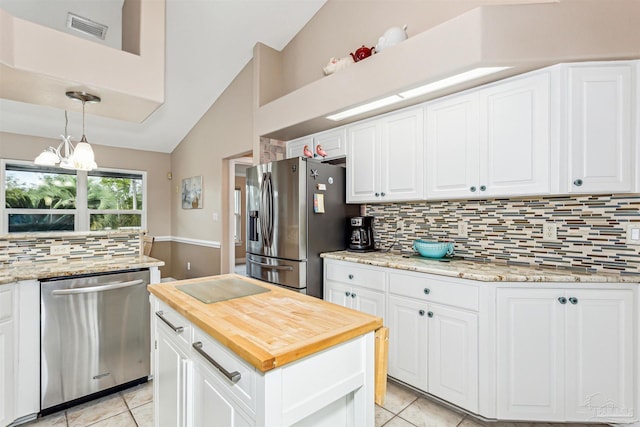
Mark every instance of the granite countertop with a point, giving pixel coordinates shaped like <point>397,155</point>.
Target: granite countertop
<point>268,329</point>
<point>48,270</point>
<point>481,271</point>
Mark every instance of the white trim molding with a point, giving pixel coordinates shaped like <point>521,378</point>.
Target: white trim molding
<point>188,241</point>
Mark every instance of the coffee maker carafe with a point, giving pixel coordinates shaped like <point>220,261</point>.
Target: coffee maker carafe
<point>361,234</point>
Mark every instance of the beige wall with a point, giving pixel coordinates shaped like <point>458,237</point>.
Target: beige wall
<point>22,147</point>
<point>225,131</point>
<point>342,26</point>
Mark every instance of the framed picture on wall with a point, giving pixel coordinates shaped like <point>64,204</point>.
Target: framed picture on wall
<point>192,193</point>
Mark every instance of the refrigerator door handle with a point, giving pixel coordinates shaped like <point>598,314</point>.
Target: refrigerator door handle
<point>273,267</point>
<point>267,231</point>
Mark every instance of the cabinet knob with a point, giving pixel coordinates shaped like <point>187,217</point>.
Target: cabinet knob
<point>377,194</point>
<point>351,276</point>
<point>473,188</point>
<point>383,194</point>
<point>430,314</point>
<point>483,187</point>
<point>562,300</point>
<point>573,300</point>
<point>353,295</point>
<point>348,294</point>
<point>577,182</point>
<point>427,291</point>
<point>421,312</point>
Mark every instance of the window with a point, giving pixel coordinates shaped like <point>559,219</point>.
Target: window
<point>38,198</point>
<point>114,200</point>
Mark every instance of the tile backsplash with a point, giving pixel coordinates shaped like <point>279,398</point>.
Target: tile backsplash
<point>32,248</point>
<point>591,230</point>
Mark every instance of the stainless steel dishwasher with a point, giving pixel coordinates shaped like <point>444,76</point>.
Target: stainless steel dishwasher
<point>94,334</point>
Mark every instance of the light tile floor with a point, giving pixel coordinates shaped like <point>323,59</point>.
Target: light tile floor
<point>129,408</point>
<point>402,408</point>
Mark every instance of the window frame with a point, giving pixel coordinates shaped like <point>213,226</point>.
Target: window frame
<point>82,213</point>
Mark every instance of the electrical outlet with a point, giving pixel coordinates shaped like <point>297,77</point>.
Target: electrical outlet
<point>463,229</point>
<point>633,233</point>
<point>550,232</point>
<point>59,250</point>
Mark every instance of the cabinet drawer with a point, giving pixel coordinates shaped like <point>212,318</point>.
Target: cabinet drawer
<point>6,302</point>
<point>243,390</point>
<point>349,273</point>
<point>438,290</point>
<point>163,311</point>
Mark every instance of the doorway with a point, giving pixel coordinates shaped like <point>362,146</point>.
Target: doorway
<point>237,214</point>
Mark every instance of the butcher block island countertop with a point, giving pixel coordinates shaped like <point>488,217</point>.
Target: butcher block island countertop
<point>269,329</point>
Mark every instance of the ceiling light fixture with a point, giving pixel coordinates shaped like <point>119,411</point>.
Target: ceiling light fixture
<point>421,90</point>
<point>81,156</point>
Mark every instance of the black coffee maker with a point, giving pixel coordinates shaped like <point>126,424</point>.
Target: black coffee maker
<point>361,234</point>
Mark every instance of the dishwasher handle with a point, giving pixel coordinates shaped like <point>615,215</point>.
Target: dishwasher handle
<point>175,328</point>
<point>232,376</point>
<point>99,288</point>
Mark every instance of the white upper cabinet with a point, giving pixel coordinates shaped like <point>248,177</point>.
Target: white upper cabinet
<point>599,128</point>
<point>452,146</point>
<point>491,142</point>
<point>385,158</point>
<point>332,143</point>
<point>515,137</point>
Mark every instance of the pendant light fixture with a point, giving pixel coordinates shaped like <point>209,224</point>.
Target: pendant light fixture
<point>81,156</point>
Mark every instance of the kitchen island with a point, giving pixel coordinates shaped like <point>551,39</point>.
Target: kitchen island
<point>273,358</point>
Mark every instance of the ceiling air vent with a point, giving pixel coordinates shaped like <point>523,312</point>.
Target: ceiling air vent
<point>86,26</point>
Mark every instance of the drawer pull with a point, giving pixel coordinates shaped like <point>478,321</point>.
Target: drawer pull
<point>348,294</point>
<point>233,376</point>
<point>177,329</point>
<point>577,182</point>
<point>427,291</point>
<point>472,189</point>
<point>573,300</point>
<point>351,276</point>
<point>483,188</point>
<point>430,314</point>
<point>353,295</point>
<point>562,300</point>
<point>421,312</point>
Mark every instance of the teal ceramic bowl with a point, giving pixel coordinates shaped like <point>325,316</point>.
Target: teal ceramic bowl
<point>433,249</point>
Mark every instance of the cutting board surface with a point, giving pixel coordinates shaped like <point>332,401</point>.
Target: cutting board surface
<point>221,290</point>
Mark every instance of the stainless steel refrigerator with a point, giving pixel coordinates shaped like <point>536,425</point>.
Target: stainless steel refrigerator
<point>296,210</point>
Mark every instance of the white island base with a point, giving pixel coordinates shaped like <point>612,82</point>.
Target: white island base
<point>333,387</point>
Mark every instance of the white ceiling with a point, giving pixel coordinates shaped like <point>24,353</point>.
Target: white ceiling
<point>208,43</point>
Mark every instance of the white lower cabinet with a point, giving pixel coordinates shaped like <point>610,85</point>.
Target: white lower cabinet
<point>552,352</point>
<point>19,351</point>
<point>433,346</point>
<point>172,372</point>
<point>211,407</point>
<point>7,347</point>
<point>199,382</point>
<point>358,287</point>
<point>566,354</point>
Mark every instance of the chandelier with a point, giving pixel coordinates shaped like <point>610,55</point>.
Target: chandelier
<point>81,156</point>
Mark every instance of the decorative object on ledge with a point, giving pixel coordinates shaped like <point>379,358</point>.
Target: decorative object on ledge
<point>307,152</point>
<point>320,151</point>
<point>363,53</point>
<point>391,37</point>
<point>81,156</point>
<point>337,64</point>
<point>192,192</point>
